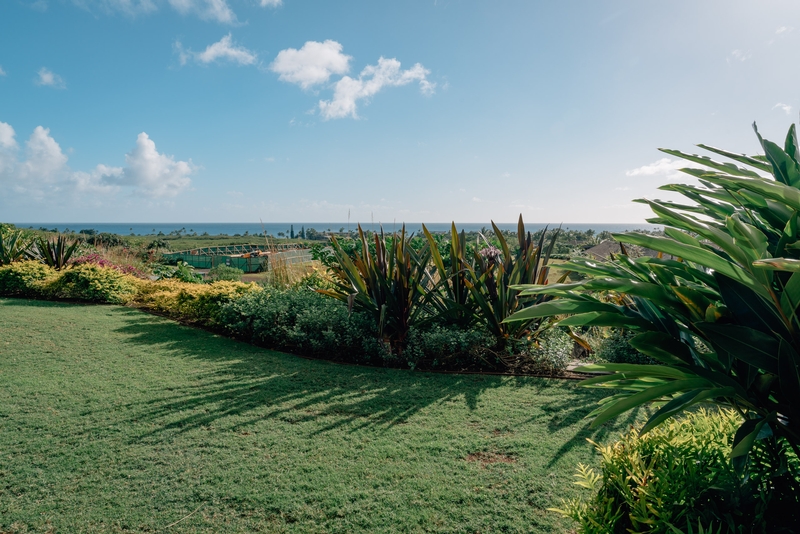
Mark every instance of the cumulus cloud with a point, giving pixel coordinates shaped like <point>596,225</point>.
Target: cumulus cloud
<point>152,173</point>
<point>785,107</point>
<point>313,64</point>
<point>48,78</point>
<point>387,73</point>
<point>43,171</point>
<point>222,50</point>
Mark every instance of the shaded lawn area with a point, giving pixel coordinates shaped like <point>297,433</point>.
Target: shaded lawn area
<point>112,420</point>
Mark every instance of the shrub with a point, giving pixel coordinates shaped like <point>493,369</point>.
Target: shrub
<point>304,322</point>
<point>96,284</point>
<point>197,302</point>
<point>614,347</point>
<point>679,478</point>
<point>182,272</point>
<point>96,259</point>
<point>224,272</point>
<point>25,279</point>
<point>449,345</point>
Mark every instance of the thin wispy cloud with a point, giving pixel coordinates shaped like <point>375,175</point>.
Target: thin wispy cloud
<point>663,168</point>
<point>739,55</point>
<point>271,3</point>
<point>784,30</point>
<point>311,65</point>
<point>47,78</point>
<point>2,72</point>
<point>224,50</point>
<point>785,107</point>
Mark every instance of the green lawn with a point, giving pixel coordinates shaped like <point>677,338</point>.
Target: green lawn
<point>112,420</point>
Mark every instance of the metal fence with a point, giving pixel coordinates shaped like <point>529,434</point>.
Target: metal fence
<point>248,258</point>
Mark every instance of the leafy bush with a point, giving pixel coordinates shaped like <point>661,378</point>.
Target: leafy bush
<point>447,345</point>
<point>615,347</point>
<point>96,259</point>
<point>304,322</point>
<point>96,284</point>
<point>679,478</point>
<point>25,279</point>
<point>182,272</point>
<point>196,302</point>
<point>224,272</point>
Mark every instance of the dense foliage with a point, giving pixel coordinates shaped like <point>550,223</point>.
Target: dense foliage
<point>679,478</point>
<point>721,318</point>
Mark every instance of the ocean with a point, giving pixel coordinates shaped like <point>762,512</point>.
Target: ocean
<point>273,228</point>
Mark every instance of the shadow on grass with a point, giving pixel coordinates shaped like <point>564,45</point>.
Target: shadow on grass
<point>256,384</point>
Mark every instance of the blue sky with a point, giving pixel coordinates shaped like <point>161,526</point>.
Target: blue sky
<point>436,110</point>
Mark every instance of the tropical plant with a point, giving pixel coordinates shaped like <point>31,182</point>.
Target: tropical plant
<point>54,252</point>
<point>449,296</point>
<point>14,246</point>
<point>677,478</point>
<point>495,274</point>
<point>388,284</point>
<point>721,314</point>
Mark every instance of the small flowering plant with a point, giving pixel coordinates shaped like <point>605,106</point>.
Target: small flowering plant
<point>96,259</point>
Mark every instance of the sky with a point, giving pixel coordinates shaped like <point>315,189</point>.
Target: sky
<point>418,111</point>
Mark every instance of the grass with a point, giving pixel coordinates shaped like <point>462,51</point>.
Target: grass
<point>112,420</point>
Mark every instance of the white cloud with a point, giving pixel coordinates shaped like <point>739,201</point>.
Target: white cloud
<point>784,29</point>
<point>664,168</point>
<point>313,64</point>
<point>224,50</point>
<point>739,56</point>
<point>44,159</point>
<point>217,10</point>
<point>373,78</point>
<point>2,72</point>
<point>49,79</point>
<point>270,3</point>
<point>8,147</point>
<point>154,174</point>
<point>44,173</point>
<point>7,134</point>
<point>785,107</point>
<point>205,9</point>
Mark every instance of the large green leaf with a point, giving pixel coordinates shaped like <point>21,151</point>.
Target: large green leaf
<point>747,344</point>
<point>697,255</point>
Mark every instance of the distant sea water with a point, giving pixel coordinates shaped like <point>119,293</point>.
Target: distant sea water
<point>274,228</point>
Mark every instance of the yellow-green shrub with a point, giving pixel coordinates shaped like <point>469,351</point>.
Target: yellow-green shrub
<point>200,302</point>
<point>26,279</point>
<point>95,283</point>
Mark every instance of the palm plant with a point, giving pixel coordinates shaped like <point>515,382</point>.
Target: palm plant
<point>389,284</point>
<point>450,297</point>
<point>495,274</point>
<point>721,318</point>
<point>54,252</point>
<point>14,246</point>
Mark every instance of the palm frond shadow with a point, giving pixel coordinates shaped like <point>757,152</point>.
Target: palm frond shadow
<point>268,384</point>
